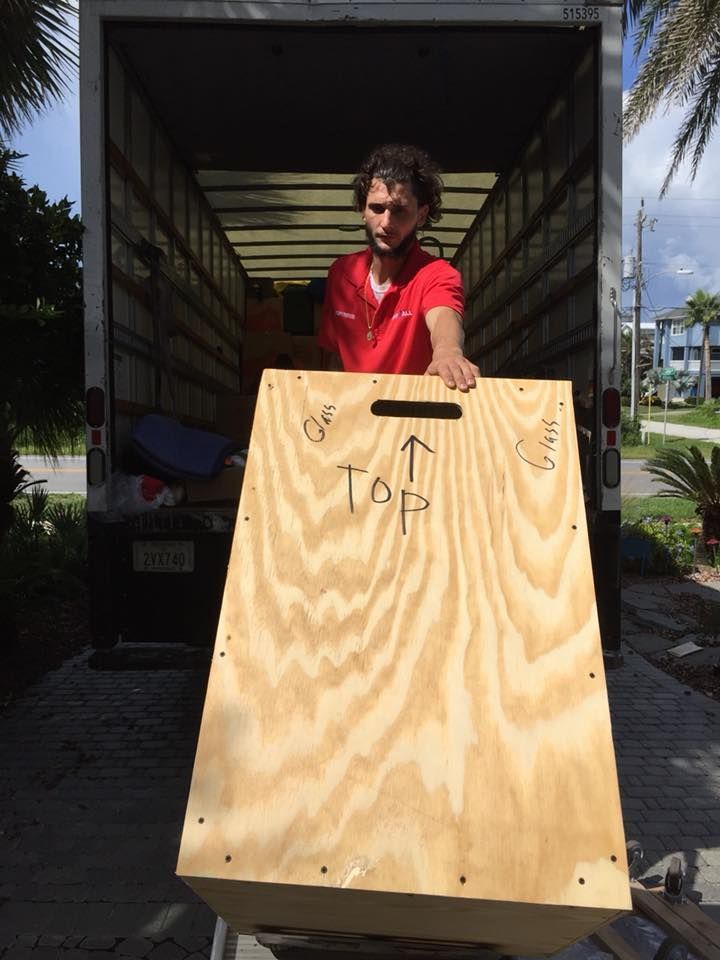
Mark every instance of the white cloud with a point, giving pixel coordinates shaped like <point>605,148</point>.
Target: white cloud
<point>646,159</point>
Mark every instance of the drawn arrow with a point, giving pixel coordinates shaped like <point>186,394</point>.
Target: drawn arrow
<point>411,441</point>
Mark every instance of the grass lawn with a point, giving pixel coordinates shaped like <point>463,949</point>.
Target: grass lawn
<point>635,508</point>
<point>702,416</point>
<point>68,498</point>
<point>74,447</point>
<point>697,417</point>
<point>646,451</point>
<point>67,450</point>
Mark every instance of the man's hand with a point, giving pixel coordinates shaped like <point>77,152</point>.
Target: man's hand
<point>454,369</point>
<point>448,362</point>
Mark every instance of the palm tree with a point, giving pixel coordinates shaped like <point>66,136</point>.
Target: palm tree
<point>38,52</point>
<point>686,473</point>
<point>683,384</point>
<point>704,308</point>
<point>650,382</point>
<point>682,67</point>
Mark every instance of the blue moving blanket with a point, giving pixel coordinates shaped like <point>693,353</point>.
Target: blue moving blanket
<point>175,450</point>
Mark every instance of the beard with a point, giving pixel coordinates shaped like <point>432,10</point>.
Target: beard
<point>396,253</point>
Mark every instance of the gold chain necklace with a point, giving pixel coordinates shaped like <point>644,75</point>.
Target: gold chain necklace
<point>370,335</point>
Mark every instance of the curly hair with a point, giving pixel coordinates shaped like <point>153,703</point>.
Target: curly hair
<point>395,163</point>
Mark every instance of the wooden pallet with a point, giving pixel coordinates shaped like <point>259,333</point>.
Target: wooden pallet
<point>683,922</point>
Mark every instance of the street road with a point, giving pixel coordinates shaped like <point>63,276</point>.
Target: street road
<point>67,476</point>
<point>636,482</point>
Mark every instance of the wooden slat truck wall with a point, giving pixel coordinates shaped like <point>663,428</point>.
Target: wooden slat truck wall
<point>406,730</point>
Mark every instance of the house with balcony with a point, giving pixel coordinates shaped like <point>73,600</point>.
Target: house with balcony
<point>680,347</point>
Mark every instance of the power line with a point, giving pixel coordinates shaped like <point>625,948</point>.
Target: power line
<point>629,196</point>
<point>678,216</point>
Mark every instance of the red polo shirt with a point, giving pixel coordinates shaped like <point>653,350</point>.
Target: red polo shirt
<point>401,339</point>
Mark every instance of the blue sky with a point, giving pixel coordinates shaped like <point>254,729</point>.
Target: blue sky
<point>686,234</point>
<point>52,145</point>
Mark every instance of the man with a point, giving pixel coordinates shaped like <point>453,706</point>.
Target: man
<point>393,308</point>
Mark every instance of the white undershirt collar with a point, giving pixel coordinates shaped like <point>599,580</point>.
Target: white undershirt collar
<point>379,289</point>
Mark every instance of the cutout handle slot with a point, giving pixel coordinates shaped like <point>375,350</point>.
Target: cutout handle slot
<point>423,409</point>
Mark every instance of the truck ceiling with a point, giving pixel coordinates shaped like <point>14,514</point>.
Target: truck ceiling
<point>274,120</point>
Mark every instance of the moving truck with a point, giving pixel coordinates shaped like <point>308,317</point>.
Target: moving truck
<point>219,140</point>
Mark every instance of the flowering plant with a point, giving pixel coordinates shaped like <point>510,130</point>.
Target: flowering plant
<point>672,542</point>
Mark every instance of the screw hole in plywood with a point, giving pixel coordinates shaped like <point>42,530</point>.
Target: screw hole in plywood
<point>581,880</point>
<point>592,676</point>
<point>613,858</point>
<point>463,879</point>
<point>222,653</point>
<point>228,858</point>
<point>574,526</point>
<point>323,869</point>
<point>246,518</point>
<point>201,819</point>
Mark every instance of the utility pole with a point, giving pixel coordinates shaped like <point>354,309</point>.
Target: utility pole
<point>637,304</point>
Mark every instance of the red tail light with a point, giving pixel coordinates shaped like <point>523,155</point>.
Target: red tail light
<point>95,407</point>
<point>611,407</point>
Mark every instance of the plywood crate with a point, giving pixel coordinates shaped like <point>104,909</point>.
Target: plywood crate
<point>406,731</point>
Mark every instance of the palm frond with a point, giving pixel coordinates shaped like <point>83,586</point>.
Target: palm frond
<point>37,502</point>
<point>715,466</point>
<point>682,67</point>
<point>668,68</point>
<point>648,14</point>
<point>687,473</point>
<point>697,126</point>
<point>38,55</point>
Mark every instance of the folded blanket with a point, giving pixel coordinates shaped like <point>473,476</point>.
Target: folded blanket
<point>175,450</point>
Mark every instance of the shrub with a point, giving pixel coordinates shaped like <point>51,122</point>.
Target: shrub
<point>42,556</point>
<point>686,473</point>
<point>630,430</point>
<point>673,544</point>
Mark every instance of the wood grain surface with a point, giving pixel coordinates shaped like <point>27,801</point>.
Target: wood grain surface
<point>407,693</point>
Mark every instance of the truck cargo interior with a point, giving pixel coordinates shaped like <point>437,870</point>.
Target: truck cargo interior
<point>230,150</point>
<point>235,147</point>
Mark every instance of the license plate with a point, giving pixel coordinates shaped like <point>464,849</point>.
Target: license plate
<point>163,556</point>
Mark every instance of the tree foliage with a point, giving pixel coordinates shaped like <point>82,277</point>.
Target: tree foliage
<point>38,53</point>
<point>41,363</point>
<point>703,309</point>
<point>645,359</point>
<point>684,384</point>
<point>682,68</point>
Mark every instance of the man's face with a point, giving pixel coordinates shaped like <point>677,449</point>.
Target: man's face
<point>392,217</point>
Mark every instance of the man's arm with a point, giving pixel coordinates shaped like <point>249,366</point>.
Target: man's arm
<point>447,337</point>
